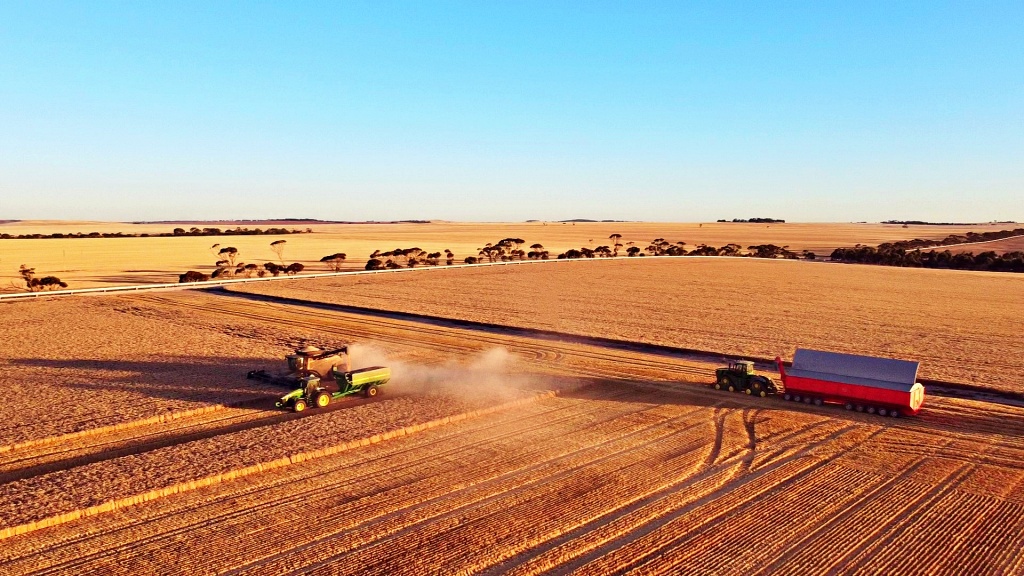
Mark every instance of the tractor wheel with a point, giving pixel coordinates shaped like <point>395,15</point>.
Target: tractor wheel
<point>299,405</point>
<point>818,402</point>
<point>371,391</point>
<point>756,385</point>
<point>732,388</point>
<point>762,393</point>
<point>323,399</point>
<point>718,386</point>
<point>747,391</point>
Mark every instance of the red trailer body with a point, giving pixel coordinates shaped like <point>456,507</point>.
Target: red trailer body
<point>859,382</point>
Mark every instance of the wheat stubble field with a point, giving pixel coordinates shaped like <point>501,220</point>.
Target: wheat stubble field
<point>131,442</point>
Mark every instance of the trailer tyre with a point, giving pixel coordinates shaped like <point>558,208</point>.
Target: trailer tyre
<point>848,406</point>
<point>859,408</point>
<point>818,402</point>
<point>787,397</point>
<point>299,405</point>
<point>323,399</point>
<point>797,398</point>
<point>871,409</point>
<point>371,391</point>
<point>883,412</point>
<point>894,413</point>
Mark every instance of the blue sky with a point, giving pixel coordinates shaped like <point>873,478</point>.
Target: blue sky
<point>506,111</point>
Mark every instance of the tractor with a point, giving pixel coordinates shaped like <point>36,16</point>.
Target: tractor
<point>316,391</point>
<point>740,377</point>
<point>306,361</point>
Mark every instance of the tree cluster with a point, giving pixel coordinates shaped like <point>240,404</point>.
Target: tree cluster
<point>969,238</point>
<point>33,284</point>
<point>407,258</point>
<point>756,220</point>
<point>893,256</point>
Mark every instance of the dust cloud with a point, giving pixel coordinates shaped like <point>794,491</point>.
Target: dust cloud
<point>493,374</point>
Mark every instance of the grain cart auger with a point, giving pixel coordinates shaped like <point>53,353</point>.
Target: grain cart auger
<point>306,361</point>
<point>316,391</point>
<point>740,377</point>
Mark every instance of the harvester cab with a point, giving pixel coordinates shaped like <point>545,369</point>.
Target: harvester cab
<point>304,362</point>
<point>739,376</point>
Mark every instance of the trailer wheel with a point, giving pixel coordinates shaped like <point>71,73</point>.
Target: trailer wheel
<point>848,406</point>
<point>883,412</point>
<point>323,399</point>
<point>371,391</point>
<point>818,402</point>
<point>807,400</point>
<point>787,397</point>
<point>299,405</point>
<point>894,413</point>
<point>797,398</point>
<point>871,409</point>
<point>860,408</point>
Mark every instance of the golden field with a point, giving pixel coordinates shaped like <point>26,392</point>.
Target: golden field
<point>137,446</point>
<point>962,326</point>
<point>100,262</point>
<point>132,443</point>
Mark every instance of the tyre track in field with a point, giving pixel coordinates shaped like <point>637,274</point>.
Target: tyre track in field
<point>493,429</point>
<point>280,505</point>
<point>618,527</point>
<point>507,485</point>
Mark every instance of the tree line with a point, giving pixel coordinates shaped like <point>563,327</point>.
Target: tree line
<point>891,256</point>
<point>175,232</point>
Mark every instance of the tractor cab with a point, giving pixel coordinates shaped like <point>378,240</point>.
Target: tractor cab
<point>742,367</point>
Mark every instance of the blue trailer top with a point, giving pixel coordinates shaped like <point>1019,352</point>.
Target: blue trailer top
<point>854,369</point>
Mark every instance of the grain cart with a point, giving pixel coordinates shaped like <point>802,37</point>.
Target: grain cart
<point>740,377</point>
<point>316,391</point>
<point>306,361</point>
<point>863,383</point>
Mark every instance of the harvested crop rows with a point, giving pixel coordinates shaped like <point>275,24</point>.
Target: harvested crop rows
<point>962,326</point>
<point>628,469</point>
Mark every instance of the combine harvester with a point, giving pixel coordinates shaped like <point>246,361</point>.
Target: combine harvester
<point>863,383</point>
<point>316,376</point>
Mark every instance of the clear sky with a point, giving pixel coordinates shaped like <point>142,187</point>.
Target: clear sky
<point>674,111</point>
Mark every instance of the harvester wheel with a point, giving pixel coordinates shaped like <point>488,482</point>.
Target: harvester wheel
<point>848,406</point>
<point>371,391</point>
<point>323,399</point>
<point>817,402</point>
<point>299,405</point>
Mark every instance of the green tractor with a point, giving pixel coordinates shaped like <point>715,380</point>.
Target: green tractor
<point>740,377</point>
<point>315,391</point>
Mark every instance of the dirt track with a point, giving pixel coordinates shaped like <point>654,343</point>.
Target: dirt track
<point>629,470</point>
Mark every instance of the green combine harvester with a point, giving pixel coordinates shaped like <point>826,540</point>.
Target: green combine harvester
<point>314,391</point>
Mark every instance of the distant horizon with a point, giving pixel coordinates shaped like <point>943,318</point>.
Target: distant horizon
<point>492,112</point>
